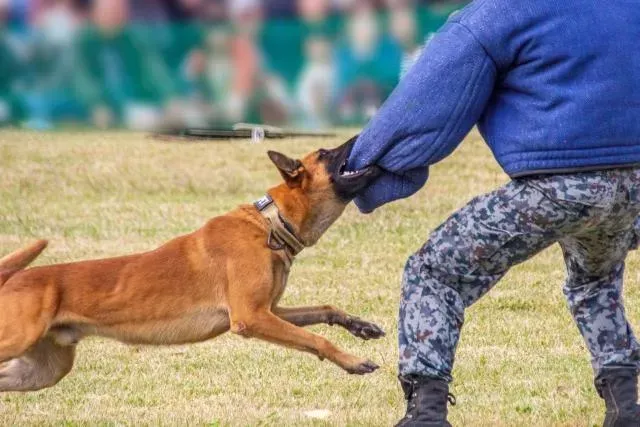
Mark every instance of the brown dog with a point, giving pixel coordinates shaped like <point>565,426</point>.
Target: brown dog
<point>228,275</point>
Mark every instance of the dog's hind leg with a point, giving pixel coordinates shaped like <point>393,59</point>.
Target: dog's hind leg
<point>17,338</point>
<point>327,314</point>
<point>43,365</point>
<point>27,309</point>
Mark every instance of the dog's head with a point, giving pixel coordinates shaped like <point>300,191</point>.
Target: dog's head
<point>319,181</point>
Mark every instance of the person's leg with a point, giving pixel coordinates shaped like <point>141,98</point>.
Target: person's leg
<point>466,256</point>
<point>462,260</point>
<point>475,247</point>
<point>595,269</point>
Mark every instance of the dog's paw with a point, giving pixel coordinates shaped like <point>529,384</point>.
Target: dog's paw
<point>363,329</point>
<point>362,368</point>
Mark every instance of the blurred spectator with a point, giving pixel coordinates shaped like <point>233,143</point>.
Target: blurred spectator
<point>190,20</point>
<point>280,8</point>
<point>209,72</point>
<point>48,93</point>
<point>18,21</point>
<point>10,70</point>
<point>368,64</point>
<point>404,30</point>
<point>149,11</point>
<point>185,10</point>
<point>316,14</point>
<point>316,83</point>
<point>257,94</point>
<point>284,39</point>
<point>246,18</point>
<point>139,63</point>
<point>120,78</point>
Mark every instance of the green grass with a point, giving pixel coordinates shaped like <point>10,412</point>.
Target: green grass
<point>521,361</point>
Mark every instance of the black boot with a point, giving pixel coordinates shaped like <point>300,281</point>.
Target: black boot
<point>619,389</point>
<point>426,402</point>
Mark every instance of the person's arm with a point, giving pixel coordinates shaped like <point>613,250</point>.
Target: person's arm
<point>433,108</point>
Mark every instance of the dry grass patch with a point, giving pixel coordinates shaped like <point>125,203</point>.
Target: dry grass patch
<point>521,361</point>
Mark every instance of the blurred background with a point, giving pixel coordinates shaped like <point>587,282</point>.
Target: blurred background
<point>142,64</point>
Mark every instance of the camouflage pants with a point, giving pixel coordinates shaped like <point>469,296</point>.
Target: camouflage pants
<point>591,215</point>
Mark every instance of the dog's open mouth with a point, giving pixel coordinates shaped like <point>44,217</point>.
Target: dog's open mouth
<point>346,173</point>
<point>348,183</point>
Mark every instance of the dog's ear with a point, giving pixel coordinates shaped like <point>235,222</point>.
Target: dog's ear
<point>290,169</point>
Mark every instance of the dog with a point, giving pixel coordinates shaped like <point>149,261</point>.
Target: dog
<point>228,275</point>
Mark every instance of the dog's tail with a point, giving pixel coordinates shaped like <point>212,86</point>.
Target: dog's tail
<point>20,259</point>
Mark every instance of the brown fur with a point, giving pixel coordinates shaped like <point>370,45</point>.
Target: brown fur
<point>193,288</point>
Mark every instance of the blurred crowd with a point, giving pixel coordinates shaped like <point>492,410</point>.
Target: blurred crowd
<point>147,63</point>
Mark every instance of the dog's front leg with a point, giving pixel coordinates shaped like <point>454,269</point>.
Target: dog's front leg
<point>251,294</point>
<point>267,326</point>
<point>327,314</point>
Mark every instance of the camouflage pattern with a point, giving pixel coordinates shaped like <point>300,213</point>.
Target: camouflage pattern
<point>591,215</point>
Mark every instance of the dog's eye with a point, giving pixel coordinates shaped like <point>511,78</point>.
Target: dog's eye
<point>322,153</point>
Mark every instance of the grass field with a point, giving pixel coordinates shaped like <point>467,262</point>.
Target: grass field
<point>521,361</point>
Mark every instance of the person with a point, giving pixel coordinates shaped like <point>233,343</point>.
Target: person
<point>257,94</point>
<point>210,73</point>
<point>316,84</point>
<point>404,31</point>
<point>48,95</point>
<point>11,106</point>
<point>558,104</point>
<point>118,77</point>
<point>367,65</point>
<point>284,40</point>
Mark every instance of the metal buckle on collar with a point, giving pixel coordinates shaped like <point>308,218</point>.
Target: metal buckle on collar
<point>263,202</point>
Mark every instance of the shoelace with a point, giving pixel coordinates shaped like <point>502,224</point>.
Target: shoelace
<point>451,398</point>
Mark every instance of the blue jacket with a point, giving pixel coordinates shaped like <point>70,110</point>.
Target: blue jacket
<point>554,86</point>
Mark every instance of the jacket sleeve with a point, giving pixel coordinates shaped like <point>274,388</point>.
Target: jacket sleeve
<point>429,113</point>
